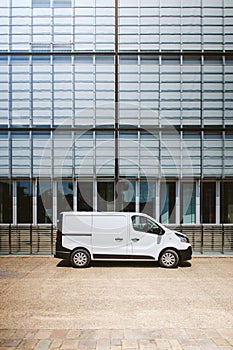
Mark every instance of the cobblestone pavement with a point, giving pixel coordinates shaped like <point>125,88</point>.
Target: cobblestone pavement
<point>127,339</point>
<point>46,304</point>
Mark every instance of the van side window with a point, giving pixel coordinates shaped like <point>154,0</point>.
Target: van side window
<point>143,224</point>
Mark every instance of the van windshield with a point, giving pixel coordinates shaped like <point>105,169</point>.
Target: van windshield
<point>144,224</point>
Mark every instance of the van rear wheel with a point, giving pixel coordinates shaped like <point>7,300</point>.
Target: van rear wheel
<point>169,258</point>
<point>80,258</point>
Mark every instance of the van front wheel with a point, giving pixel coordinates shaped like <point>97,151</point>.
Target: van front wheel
<point>80,258</point>
<point>169,258</point>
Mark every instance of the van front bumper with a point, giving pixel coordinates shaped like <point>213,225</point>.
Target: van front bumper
<point>186,254</point>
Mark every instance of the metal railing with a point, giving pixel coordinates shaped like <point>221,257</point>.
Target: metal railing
<point>40,239</point>
<point>27,239</point>
<point>206,238</point>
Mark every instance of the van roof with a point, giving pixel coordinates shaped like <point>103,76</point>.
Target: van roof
<point>99,213</point>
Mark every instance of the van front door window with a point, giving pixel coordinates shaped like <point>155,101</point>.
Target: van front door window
<point>143,224</point>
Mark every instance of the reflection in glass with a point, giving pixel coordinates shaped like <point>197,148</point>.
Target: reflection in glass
<point>85,196</point>
<point>208,202</point>
<point>227,202</point>
<point>24,202</point>
<point>5,202</point>
<point>167,202</point>
<point>188,203</point>
<point>147,198</point>
<point>126,196</point>
<point>44,202</point>
<point>64,196</point>
<point>105,196</point>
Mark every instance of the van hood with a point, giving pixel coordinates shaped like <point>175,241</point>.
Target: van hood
<point>179,234</point>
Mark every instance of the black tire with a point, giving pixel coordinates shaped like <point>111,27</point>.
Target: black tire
<point>169,259</point>
<point>80,258</point>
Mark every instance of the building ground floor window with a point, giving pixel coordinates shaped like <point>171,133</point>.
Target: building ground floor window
<point>173,201</point>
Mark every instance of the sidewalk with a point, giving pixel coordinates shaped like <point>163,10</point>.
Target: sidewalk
<point>128,339</point>
<point>46,304</point>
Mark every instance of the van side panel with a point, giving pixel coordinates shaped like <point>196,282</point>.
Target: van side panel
<point>77,231</point>
<point>110,234</point>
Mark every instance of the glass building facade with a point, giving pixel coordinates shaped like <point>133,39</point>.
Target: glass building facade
<point>116,105</point>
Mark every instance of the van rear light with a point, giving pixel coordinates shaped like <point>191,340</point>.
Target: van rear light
<point>57,234</point>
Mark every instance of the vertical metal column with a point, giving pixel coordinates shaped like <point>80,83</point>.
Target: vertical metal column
<point>116,129</point>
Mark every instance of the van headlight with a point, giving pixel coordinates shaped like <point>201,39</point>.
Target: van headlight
<point>183,239</point>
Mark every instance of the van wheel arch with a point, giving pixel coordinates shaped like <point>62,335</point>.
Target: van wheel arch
<point>80,257</point>
<point>169,249</point>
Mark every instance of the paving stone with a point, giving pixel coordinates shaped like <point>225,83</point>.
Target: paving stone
<point>145,344</point>
<point>58,334</point>
<point>225,332</point>
<point>56,343</point>
<point>43,344</point>
<point>7,333</point>
<point>188,342</point>
<point>129,344</point>
<point>88,334</point>
<point>73,334</point>
<point>221,342</point>
<point>116,342</point>
<point>11,342</point>
<point>69,344</point>
<point>115,347</point>
<point>103,344</point>
<point>20,333</point>
<point>30,335</point>
<point>207,344</point>
<point>43,334</point>
<point>117,334</point>
<point>28,344</point>
<point>103,333</point>
<point>133,334</point>
<point>88,344</point>
<point>162,344</point>
<point>175,345</point>
<point>196,333</point>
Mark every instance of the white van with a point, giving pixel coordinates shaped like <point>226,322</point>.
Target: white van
<point>86,236</point>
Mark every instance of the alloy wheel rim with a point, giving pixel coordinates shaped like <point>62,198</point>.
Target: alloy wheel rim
<point>80,259</point>
<point>168,259</point>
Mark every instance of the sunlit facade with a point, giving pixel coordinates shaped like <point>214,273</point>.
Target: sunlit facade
<point>116,105</point>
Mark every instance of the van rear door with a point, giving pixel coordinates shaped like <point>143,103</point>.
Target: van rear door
<point>110,235</point>
<point>76,230</point>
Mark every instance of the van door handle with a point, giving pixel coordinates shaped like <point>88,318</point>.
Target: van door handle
<point>135,239</point>
<point>118,239</point>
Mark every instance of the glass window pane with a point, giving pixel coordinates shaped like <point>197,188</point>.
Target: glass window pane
<point>44,202</point>
<point>167,202</point>
<point>85,196</point>
<point>147,198</point>
<point>126,196</point>
<point>5,202</point>
<point>24,202</point>
<point>64,196</point>
<point>62,3</point>
<point>208,202</point>
<point>40,3</point>
<point>227,202</point>
<point>188,203</point>
<point>105,196</point>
